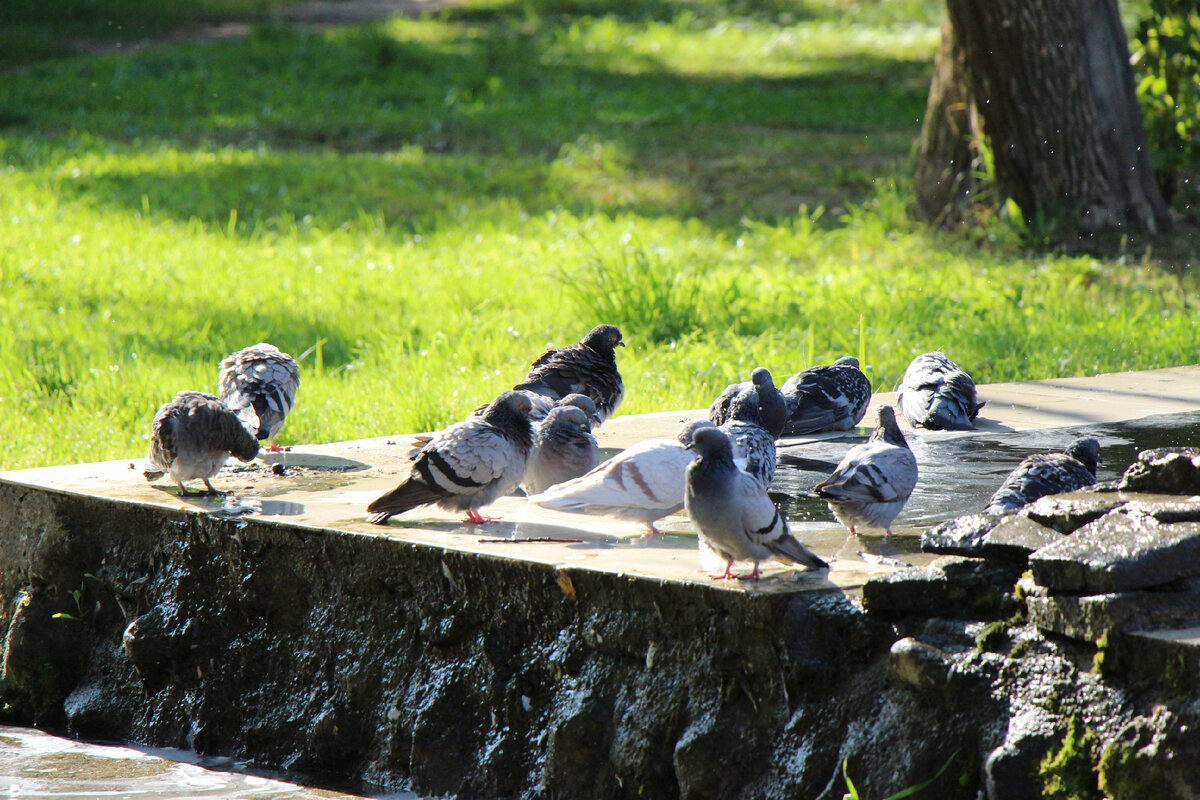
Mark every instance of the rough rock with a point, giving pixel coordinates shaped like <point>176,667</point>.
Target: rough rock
<point>1119,552</point>
<point>951,586</point>
<point>1067,513</point>
<point>1091,617</point>
<point>962,536</point>
<point>1166,470</point>
<point>914,663</point>
<point>1015,537</point>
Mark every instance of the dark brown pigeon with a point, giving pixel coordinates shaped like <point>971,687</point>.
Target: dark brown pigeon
<point>1046,474</point>
<point>771,406</point>
<point>192,436</point>
<point>589,368</point>
<point>831,397</point>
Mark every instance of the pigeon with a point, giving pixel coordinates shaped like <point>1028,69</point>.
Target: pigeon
<point>468,465</point>
<point>541,405</point>
<point>641,484</point>
<point>1045,474</point>
<point>826,398</point>
<point>771,404</point>
<point>259,384</point>
<point>734,516</point>
<point>589,367</point>
<point>192,436</point>
<point>563,448</point>
<point>874,480</point>
<point>753,445</point>
<point>936,394</point>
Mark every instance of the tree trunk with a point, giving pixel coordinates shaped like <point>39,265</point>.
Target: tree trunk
<point>1048,87</point>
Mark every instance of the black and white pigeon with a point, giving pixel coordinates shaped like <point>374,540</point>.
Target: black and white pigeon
<point>259,384</point>
<point>589,368</point>
<point>753,445</point>
<point>935,393</point>
<point>771,404</point>
<point>468,465</point>
<point>191,438</point>
<point>642,484</point>
<point>832,397</point>
<point>563,448</point>
<point>1046,474</point>
<point>732,512</point>
<point>874,481</point>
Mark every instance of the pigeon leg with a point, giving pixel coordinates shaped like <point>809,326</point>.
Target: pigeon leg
<point>650,531</point>
<point>211,490</point>
<point>753,576</point>
<point>183,492</point>
<point>274,448</point>
<point>727,574</point>
<point>475,518</point>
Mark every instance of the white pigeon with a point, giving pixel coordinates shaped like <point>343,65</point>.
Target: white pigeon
<point>753,445</point>
<point>874,480</point>
<point>936,393</point>
<point>563,448</point>
<point>641,484</point>
<point>468,465</point>
<point>191,438</point>
<point>1046,474</point>
<point>259,383</point>
<point>732,512</point>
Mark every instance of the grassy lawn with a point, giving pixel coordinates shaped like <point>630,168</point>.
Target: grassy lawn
<point>419,206</point>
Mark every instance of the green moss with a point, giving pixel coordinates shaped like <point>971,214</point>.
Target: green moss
<point>1125,774</point>
<point>1068,773</point>
<point>1102,655</point>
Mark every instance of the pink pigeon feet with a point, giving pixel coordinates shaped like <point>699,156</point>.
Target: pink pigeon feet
<point>475,518</point>
<point>753,576</point>
<point>650,531</point>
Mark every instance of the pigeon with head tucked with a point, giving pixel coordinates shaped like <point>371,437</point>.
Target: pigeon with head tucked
<point>1046,474</point>
<point>468,465</point>
<point>191,438</point>
<point>753,445</point>
<point>830,397</point>
<point>732,512</point>
<point>641,484</point>
<point>935,393</point>
<point>563,448</point>
<point>589,368</point>
<point>772,407</point>
<point>874,481</point>
<point>259,383</point>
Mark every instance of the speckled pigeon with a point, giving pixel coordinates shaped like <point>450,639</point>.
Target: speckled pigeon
<point>831,397</point>
<point>641,484</point>
<point>753,446</point>
<point>468,465</point>
<point>589,367</point>
<point>563,448</point>
<point>732,512</point>
<point>935,393</point>
<point>1045,474</point>
<point>192,436</point>
<point>771,404</point>
<point>259,384</point>
<point>874,481</point>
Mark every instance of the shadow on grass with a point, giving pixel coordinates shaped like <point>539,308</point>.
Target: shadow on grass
<point>510,119</point>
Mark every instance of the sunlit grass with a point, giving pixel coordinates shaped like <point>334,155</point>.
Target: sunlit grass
<point>417,208</point>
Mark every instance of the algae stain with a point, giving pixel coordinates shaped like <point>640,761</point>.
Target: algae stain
<point>1069,772</point>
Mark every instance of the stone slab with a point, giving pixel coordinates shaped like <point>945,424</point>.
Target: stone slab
<point>952,586</point>
<point>1169,470</point>
<point>1091,617</point>
<point>1119,552</point>
<point>1015,537</point>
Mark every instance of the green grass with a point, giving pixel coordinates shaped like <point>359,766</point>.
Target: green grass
<point>420,206</point>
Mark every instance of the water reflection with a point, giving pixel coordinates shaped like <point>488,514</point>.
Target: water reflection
<point>34,764</point>
<point>960,471</point>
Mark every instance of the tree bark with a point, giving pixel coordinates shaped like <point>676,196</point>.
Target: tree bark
<point>1048,86</point>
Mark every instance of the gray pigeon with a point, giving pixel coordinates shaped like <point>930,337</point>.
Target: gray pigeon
<point>1046,474</point>
<point>734,515</point>
<point>468,465</point>
<point>563,448</point>
<point>771,404</point>
<point>192,436</point>
<point>753,445</point>
<point>641,484</point>
<point>935,393</point>
<point>874,480</point>
<point>831,397</point>
<point>589,367</point>
<point>259,384</point>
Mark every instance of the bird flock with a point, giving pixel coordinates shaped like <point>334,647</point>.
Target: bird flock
<point>539,436</point>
